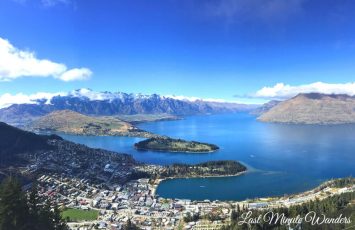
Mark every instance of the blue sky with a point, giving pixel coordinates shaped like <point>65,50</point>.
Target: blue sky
<point>204,48</point>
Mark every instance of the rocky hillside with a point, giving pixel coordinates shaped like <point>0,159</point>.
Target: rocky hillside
<point>313,108</point>
<point>265,107</point>
<point>71,122</point>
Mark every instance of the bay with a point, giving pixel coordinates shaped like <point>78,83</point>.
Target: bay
<point>281,158</point>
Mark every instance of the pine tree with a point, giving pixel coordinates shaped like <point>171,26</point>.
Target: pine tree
<point>13,206</point>
<point>46,217</point>
<point>59,223</point>
<point>33,205</point>
<point>18,212</point>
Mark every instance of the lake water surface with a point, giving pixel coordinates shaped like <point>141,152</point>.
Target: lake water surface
<point>282,159</point>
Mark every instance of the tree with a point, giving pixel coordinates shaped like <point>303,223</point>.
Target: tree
<point>130,226</point>
<point>234,215</point>
<point>46,217</point>
<point>331,207</point>
<point>33,206</point>
<point>13,206</point>
<point>19,212</point>
<point>59,224</point>
<point>189,217</point>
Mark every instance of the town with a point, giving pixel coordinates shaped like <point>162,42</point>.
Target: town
<point>137,202</point>
<point>116,189</point>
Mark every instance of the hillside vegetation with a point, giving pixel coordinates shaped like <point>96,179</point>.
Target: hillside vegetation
<point>209,168</point>
<point>20,211</point>
<point>174,145</point>
<point>15,141</point>
<point>340,205</point>
<point>71,122</point>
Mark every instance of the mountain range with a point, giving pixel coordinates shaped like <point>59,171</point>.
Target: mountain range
<point>313,108</point>
<point>306,108</point>
<point>108,104</point>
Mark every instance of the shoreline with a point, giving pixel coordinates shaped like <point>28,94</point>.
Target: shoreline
<point>170,151</point>
<point>133,133</point>
<point>151,121</point>
<point>158,181</point>
<point>123,134</point>
<point>323,185</point>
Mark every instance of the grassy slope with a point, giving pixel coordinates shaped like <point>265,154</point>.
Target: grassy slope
<point>72,122</point>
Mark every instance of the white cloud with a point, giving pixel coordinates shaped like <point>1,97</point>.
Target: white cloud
<point>183,98</point>
<point>76,74</point>
<point>282,91</point>
<point>16,63</point>
<point>92,95</point>
<point>9,99</point>
<point>193,99</point>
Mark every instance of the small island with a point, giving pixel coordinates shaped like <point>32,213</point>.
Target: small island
<point>206,169</point>
<point>175,145</point>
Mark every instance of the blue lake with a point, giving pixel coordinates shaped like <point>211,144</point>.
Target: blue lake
<point>282,159</point>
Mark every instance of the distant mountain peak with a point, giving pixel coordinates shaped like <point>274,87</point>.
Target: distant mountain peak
<point>313,108</point>
<point>318,96</point>
<point>265,107</point>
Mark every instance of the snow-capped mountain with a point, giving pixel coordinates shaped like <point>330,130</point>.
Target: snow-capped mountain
<point>89,102</point>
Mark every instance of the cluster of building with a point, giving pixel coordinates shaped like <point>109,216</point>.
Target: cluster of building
<point>136,201</point>
<point>115,203</point>
<point>79,161</point>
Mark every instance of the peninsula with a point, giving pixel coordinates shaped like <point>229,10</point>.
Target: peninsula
<point>142,118</point>
<point>175,145</point>
<point>71,122</point>
<point>205,169</point>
